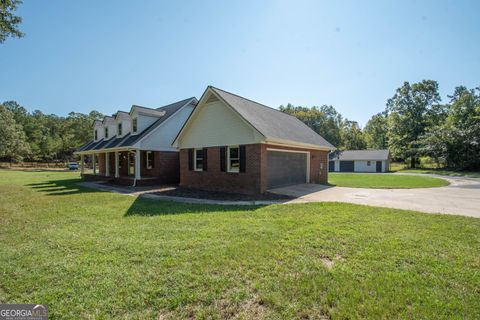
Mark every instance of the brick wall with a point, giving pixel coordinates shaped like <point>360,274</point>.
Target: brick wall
<point>101,163</point>
<point>166,167</point>
<point>254,179</point>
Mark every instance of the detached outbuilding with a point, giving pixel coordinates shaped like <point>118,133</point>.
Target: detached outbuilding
<point>359,161</point>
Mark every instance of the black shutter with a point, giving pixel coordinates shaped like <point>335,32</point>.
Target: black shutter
<point>205,161</point>
<point>242,158</point>
<point>222,158</point>
<point>153,159</point>
<point>190,159</point>
<point>144,158</point>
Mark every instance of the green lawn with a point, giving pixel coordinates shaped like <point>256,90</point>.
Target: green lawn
<point>90,254</point>
<point>383,181</point>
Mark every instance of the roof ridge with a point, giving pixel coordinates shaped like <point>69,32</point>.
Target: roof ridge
<point>179,101</point>
<point>260,104</point>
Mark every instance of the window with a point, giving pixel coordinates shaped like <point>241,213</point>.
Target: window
<point>120,129</point>
<point>233,159</point>
<point>149,159</point>
<point>106,132</point>
<point>96,134</point>
<point>134,125</point>
<point>368,163</point>
<point>198,161</point>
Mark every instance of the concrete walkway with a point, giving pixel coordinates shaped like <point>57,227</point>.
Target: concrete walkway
<point>461,197</point>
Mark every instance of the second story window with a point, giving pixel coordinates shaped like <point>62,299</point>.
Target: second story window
<point>120,129</point>
<point>134,125</point>
<point>106,132</point>
<point>96,134</point>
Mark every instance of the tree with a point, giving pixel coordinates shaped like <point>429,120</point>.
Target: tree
<point>8,20</point>
<point>13,142</point>
<point>325,121</point>
<point>454,140</point>
<point>407,118</point>
<point>352,136</point>
<point>375,132</point>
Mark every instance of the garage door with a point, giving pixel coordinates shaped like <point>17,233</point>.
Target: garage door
<point>331,166</point>
<point>346,166</point>
<point>286,168</point>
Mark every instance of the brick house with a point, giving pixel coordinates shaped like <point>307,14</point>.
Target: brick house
<point>232,144</point>
<point>134,148</point>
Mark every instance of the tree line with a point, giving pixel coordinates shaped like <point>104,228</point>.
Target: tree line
<point>36,136</point>
<point>414,124</point>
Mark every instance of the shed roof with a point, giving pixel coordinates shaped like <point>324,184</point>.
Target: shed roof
<point>350,155</point>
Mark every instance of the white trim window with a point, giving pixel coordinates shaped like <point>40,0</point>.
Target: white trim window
<point>106,132</point>
<point>369,163</point>
<point>198,159</point>
<point>233,159</point>
<point>120,129</point>
<point>149,159</point>
<point>134,125</point>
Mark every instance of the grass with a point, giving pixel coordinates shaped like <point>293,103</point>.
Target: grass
<point>90,254</point>
<point>400,167</point>
<point>383,181</point>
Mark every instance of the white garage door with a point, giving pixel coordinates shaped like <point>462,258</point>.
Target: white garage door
<point>286,168</point>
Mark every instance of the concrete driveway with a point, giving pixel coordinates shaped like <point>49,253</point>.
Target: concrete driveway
<point>461,197</point>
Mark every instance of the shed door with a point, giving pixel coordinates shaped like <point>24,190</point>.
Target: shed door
<point>346,166</point>
<point>379,166</point>
<point>286,168</point>
<point>331,166</point>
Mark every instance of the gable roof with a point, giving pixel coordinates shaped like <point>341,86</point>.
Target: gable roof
<point>273,124</point>
<point>360,155</point>
<point>130,140</point>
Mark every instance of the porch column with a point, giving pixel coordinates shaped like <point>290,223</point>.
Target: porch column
<point>107,164</point>
<point>117,172</point>
<point>137,164</point>
<point>82,160</point>
<point>94,164</point>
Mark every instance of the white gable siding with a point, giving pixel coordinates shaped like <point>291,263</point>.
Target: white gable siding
<point>112,129</point>
<point>126,126</point>
<point>216,124</point>
<point>143,121</point>
<point>362,166</point>
<point>100,131</point>
<point>161,139</point>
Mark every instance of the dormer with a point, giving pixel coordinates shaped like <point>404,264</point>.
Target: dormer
<point>109,128</point>
<point>97,130</point>
<point>122,123</point>
<point>142,118</point>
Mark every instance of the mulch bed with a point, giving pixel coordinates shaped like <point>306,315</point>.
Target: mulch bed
<point>212,195</point>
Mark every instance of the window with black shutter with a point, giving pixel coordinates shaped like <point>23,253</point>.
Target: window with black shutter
<point>242,158</point>
<point>205,159</point>
<point>223,151</point>
<point>190,159</point>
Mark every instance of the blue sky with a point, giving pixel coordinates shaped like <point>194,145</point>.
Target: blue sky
<point>108,55</point>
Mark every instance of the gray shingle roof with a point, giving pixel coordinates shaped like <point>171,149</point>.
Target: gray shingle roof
<point>359,155</point>
<point>272,123</point>
<point>129,140</point>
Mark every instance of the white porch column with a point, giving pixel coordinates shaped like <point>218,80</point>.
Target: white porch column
<point>117,171</point>
<point>94,163</point>
<point>82,161</point>
<point>137,164</point>
<point>107,164</point>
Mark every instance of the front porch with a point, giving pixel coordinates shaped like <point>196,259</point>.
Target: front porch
<point>132,167</point>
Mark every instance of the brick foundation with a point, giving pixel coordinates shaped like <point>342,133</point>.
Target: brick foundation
<point>254,179</point>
